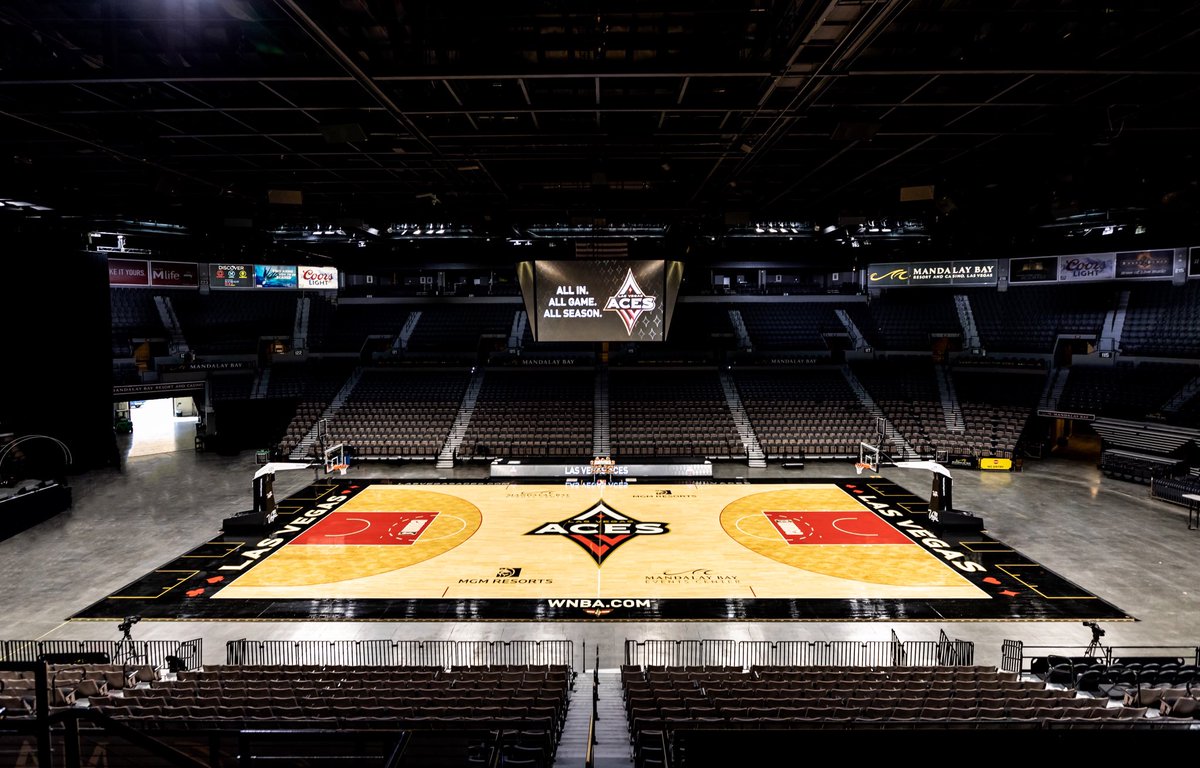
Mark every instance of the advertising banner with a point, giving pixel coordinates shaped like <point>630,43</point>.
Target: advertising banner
<point>970,272</point>
<point>231,275</point>
<point>1092,266</point>
<point>275,276</point>
<point>987,462</point>
<point>978,272</point>
<point>887,275</point>
<point>1043,269</point>
<point>128,272</point>
<point>317,278</point>
<point>1158,263</point>
<point>174,274</point>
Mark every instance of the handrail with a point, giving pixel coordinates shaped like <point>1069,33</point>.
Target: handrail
<point>589,760</point>
<point>666,752</point>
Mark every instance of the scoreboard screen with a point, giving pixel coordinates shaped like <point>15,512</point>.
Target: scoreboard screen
<point>605,300</point>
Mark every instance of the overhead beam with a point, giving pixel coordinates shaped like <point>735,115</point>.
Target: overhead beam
<point>331,48</point>
<point>591,75</point>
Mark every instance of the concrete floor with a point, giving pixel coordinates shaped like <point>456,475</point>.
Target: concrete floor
<point>1108,536</point>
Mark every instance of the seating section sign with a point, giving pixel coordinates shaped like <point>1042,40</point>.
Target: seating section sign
<point>608,300</point>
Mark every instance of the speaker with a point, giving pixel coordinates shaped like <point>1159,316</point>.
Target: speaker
<point>285,197</point>
<point>914,194</point>
<point>855,130</point>
<point>343,133</point>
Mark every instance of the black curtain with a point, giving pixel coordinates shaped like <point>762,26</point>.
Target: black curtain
<point>57,375</point>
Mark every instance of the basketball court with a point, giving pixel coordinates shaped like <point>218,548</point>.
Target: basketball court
<point>861,548</point>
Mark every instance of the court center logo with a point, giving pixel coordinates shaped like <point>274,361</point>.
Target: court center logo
<point>599,529</point>
<point>630,301</point>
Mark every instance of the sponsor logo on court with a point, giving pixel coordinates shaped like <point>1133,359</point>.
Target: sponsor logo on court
<point>692,576</point>
<point>507,575</point>
<point>665,493</point>
<point>549,494</point>
<point>599,607</point>
<point>507,580</point>
<point>599,529</point>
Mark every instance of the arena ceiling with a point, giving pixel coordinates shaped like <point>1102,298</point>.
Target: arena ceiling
<point>706,116</point>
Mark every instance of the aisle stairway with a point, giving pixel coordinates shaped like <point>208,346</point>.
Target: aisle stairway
<point>601,421</point>
<point>894,444</point>
<point>612,747</point>
<point>754,451</point>
<point>466,409</point>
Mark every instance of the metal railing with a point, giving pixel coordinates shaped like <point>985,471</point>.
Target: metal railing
<point>745,654</point>
<point>953,653</point>
<point>444,654</point>
<point>1017,657</point>
<point>153,653</point>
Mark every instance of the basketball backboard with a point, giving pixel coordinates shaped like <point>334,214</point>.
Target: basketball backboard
<point>336,459</point>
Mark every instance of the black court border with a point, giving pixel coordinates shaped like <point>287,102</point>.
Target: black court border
<point>1019,589</point>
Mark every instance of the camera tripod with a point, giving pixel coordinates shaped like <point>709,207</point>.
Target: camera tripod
<point>126,652</point>
<point>1094,647</point>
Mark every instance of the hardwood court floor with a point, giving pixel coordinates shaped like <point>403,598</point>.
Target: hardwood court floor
<point>812,549</point>
<point>1108,536</point>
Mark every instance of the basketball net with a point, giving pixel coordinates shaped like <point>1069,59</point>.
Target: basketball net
<point>859,466</point>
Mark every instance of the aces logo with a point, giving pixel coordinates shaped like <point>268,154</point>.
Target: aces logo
<point>599,530</point>
<point>630,301</point>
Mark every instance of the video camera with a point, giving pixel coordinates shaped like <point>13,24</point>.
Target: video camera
<point>1097,632</point>
<point>128,623</point>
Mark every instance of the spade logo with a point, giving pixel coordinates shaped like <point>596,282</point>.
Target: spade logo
<point>599,529</point>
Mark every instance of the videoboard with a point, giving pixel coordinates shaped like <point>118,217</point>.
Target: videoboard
<point>602,300</point>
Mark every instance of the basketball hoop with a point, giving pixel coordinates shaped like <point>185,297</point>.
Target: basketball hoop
<point>335,459</point>
<point>869,457</point>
